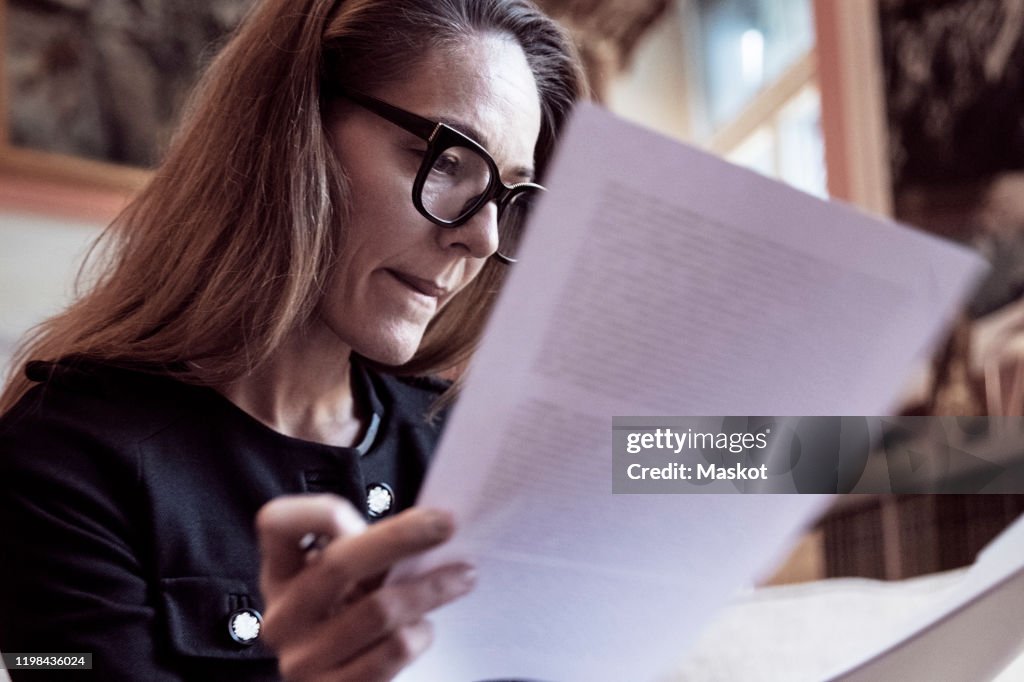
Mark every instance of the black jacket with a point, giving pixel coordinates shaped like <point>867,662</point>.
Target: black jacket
<point>127,502</point>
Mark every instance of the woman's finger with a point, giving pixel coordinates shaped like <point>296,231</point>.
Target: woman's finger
<point>348,562</point>
<point>356,558</point>
<point>383,660</point>
<point>375,616</point>
<point>282,523</point>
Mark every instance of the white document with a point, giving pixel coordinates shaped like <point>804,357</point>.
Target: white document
<point>657,280</point>
<point>971,634</point>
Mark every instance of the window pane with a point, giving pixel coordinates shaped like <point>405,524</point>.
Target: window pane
<point>746,44</point>
<point>801,148</point>
<point>789,146</point>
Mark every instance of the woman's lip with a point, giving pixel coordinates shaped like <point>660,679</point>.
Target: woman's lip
<point>419,284</point>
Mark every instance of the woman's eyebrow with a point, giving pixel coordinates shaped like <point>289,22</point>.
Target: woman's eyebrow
<point>524,172</point>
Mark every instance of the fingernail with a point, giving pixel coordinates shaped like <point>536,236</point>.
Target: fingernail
<point>467,577</point>
<point>440,523</point>
<point>460,580</point>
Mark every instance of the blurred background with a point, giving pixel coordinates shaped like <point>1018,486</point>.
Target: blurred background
<point>911,109</point>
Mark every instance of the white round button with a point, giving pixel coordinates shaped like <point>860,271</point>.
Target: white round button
<point>244,626</point>
<point>379,499</point>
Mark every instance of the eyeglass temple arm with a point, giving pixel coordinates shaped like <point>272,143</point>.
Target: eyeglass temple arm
<point>421,127</point>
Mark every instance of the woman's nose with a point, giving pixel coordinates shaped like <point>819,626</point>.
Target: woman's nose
<point>478,236</point>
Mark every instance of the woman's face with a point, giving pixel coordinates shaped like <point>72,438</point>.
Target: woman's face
<point>397,269</point>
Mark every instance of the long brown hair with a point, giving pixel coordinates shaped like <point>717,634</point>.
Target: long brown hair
<point>229,247</point>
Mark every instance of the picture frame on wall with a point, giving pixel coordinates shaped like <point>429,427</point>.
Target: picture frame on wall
<point>954,110</point>
<point>91,91</point>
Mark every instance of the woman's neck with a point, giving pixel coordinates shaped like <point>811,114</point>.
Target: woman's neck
<point>304,391</point>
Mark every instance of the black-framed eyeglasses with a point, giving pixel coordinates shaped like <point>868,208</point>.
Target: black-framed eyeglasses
<point>457,177</point>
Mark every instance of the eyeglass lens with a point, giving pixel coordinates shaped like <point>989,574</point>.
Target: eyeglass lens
<point>454,184</point>
<point>512,222</point>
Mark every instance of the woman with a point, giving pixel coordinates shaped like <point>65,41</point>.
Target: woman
<point>328,216</point>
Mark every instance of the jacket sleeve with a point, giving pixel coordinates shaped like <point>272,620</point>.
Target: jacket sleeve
<point>72,564</point>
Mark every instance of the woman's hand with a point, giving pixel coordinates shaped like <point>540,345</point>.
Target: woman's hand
<point>327,615</point>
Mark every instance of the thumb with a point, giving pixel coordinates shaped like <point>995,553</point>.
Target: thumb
<point>283,523</point>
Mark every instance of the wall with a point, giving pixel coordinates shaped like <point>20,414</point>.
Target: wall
<point>652,90</point>
<point>39,258</point>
